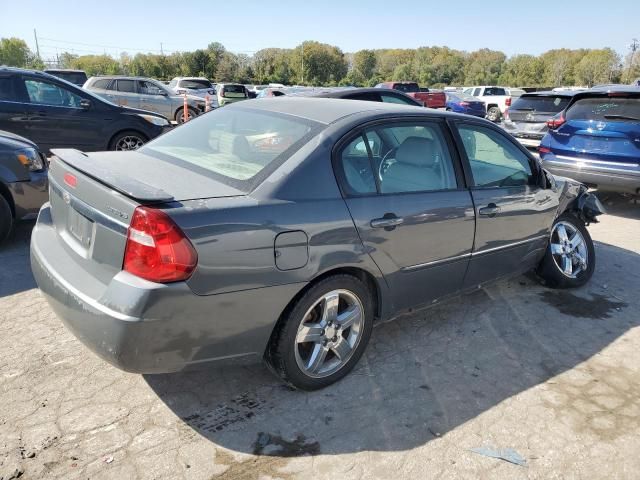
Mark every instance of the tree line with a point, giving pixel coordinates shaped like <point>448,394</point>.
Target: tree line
<point>315,63</point>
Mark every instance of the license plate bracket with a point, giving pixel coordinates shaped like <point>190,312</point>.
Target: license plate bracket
<point>80,227</point>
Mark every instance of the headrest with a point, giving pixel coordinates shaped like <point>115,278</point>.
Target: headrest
<point>418,151</point>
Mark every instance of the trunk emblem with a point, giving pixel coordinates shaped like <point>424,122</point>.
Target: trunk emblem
<point>530,117</point>
<point>600,125</point>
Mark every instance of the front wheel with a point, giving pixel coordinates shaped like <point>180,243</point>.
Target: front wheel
<point>570,259</point>
<point>191,114</point>
<point>127,140</point>
<point>324,334</point>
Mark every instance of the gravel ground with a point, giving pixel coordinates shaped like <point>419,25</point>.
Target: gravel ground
<point>551,375</point>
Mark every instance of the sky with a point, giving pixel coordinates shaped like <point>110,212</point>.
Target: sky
<point>134,26</point>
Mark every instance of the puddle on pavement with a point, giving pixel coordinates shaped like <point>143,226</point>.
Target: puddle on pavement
<point>596,307</point>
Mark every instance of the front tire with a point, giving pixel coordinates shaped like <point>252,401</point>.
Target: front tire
<point>191,114</point>
<point>6,219</point>
<point>323,335</point>
<point>570,259</point>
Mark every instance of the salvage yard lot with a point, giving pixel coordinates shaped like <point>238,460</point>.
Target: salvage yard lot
<point>550,374</point>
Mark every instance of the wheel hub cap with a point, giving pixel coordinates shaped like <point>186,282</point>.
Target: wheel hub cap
<point>569,249</point>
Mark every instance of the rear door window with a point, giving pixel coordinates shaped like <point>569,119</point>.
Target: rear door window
<point>6,89</point>
<point>395,99</point>
<point>546,104</point>
<point>128,86</point>
<point>102,84</point>
<point>608,109</point>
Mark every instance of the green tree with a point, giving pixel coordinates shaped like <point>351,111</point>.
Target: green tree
<point>14,52</point>
<point>402,73</point>
<point>598,66</point>
<point>364,62</point>
<point>323,64</point>
<point>97,65</point>
<point>523,71</point>
<point>483,67</point>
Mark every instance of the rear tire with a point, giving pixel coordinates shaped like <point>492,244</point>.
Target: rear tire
<point>563,265</point>
<point>6,219</point>
<point>127,140</point>
<point>323,335</point>
<point>493,114</point>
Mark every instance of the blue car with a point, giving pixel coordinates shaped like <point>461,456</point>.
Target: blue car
<point>596,139</point>
<point>463,103</point>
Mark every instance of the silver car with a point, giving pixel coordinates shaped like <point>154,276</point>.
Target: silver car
<point>283,229</point>
<point>146,94</point>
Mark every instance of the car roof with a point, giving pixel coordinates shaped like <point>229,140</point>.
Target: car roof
<point>614,88</point>
<point>330,110</point>
<point>70,70</point>
<point>550,93</point>
<point>124,77</point>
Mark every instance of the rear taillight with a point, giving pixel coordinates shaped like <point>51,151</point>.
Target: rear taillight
<point>464,104</point>
<point>555,121</point>
<point>544,150</point>
<point>156,249</point>
<point>507,102</point>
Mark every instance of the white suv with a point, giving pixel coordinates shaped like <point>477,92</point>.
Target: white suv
<point>198,86</point>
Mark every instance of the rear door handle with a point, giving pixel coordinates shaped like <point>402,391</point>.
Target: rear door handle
<point>490,210</point>
<point>388,222</point>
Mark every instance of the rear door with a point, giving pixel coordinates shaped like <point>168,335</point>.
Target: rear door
<point>13,110</point>
<point>403,186</point>
<point>123,92</point>
<point>57,117</point>
<point>603,127</point>
<point>513,213</point>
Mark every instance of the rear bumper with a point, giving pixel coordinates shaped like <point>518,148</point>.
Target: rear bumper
<point>28,196</point>
<point>614,176</point>
<point>146,327</point>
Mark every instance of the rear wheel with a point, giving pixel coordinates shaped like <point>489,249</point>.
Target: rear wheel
<point>127,140</point>
<point>6,219</point>
<point>493,114</point>
<point>321,338</point>
<point>570,258</point>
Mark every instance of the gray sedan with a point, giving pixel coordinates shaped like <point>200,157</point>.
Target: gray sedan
<point>284,229</point>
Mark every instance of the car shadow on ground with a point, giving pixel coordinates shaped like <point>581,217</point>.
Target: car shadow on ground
<point>422,375</point>
<point>15,269</point>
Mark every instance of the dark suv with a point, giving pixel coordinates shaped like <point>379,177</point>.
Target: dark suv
<point>56,114</point>
<point>527,116</point>
<point>77,77</point>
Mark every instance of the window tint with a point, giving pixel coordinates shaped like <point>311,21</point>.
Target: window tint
<point>45,93</point>
<point>546,104</point>
<point>126,86</point>
<point>149,88</point>
<point>369,96</point>
<point>195,84</point>
<point>234,145</point>
<point>235,91</point>
<point>6,89</point>
<point>103,83</point>
<point>495,160</point>
<point>608,109</point>
<point>492,91</point>
<point>476,92</point>
<point>395,99</point>
<point>356,167</point>
<point>406,87</point>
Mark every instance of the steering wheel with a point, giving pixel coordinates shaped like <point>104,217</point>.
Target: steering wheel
<point>386,162</point>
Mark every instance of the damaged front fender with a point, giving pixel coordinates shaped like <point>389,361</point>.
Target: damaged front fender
<point>574,197</point>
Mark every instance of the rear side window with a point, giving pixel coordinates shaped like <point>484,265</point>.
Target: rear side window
<point>369,96</point>
<point>239,147</point>
<point>395,99</point>
<point>605,109</point>
<point>102,84</point>
<point>356,167</point>
<point>77,78</point>
<point>546,104</point>
<point>6,89</point>
<point>127,86</point>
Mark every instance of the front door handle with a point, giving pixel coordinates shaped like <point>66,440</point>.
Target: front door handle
<point>490,210</point>
<point>388,222</point>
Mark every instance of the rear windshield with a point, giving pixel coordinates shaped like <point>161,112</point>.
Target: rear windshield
<point>547,104</point>
<point>234,91</point>
<point>77,78</point>
<point>195,84</point>
<point>237,146</point>
<point>493,91</point>
<point>605,108</point>
<point>407,87</point>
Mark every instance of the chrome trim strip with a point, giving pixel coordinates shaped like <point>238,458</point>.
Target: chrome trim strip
<point>508,245</point>
<point>435,262</point>
<point>589,161</point>
<point>90,212</point>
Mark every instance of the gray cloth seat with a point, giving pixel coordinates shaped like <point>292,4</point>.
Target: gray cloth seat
<point>417,167</point>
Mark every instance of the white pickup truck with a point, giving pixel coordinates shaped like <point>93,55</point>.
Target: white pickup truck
<point>497,99</point>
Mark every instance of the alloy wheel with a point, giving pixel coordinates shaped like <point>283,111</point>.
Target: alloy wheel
<point>329,333</point>
<point>569,249</point>
<point>129,142</point>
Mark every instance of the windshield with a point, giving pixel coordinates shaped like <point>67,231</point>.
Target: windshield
<point>605,108</point>
<point>195,84</point>
<point>237,146</point>
<point>547,104</point>
<point>407,87</point>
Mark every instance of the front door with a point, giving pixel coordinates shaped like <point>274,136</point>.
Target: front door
<point>403,186</point>
<point>57,118</point>
<point>514,213</point>
<point>155,99</point>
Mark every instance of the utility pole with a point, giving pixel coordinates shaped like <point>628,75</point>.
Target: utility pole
<point>37,46</point>
<point>633,47</point>
<point>302,74</point>
<point>161,51</point>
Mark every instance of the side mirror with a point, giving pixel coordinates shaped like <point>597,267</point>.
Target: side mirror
<point>85,104</point>
<point>163,93</point>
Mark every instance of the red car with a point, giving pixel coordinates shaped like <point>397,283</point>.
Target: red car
<point>429,98</point>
